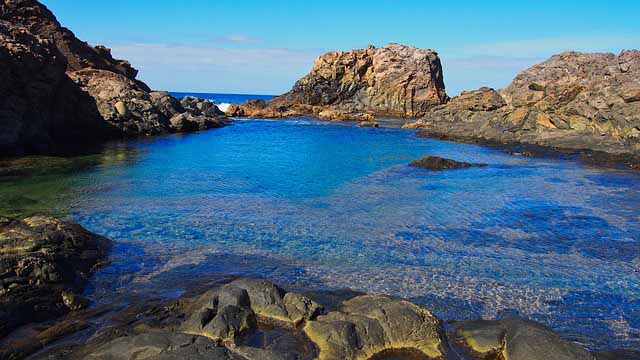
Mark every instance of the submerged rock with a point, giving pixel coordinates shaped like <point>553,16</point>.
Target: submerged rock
<point>438,163</point>
<point>43,261</point>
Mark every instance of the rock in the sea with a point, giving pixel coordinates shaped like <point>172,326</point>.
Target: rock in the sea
<point>573,101</point>
<point>43,261</point>
<point>438,163</point>
<point>369,325</point>
<point>394,80</point>
<point>516,339</point>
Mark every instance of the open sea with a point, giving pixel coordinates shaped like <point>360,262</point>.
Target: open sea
<point>320,205</point>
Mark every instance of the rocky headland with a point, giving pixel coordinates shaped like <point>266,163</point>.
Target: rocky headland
<point>394,80</point>
<point>58,90</point>
<point>586,104</point>
<point>251,319</point>
<point>573,102</point>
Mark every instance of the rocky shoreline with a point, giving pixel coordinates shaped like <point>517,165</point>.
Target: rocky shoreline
<point>253,319</point>
<point>59,91</point>
<point>584,104</point>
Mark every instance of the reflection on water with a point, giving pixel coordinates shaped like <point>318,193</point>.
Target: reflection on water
<point>317,205</point>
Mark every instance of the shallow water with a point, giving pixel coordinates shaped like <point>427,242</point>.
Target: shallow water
<point>324,206</point>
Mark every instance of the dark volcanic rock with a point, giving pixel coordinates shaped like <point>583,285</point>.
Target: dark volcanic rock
<point>438,163</point>
<point>43,261</point>
<point>395,80</point>
<point>571,101</point>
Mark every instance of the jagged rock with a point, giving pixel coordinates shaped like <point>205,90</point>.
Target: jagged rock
<point>42,261</point>
<point>227,313</point>
<point>516,339</point>
<point>57,90</point>
<point>573,100</point>
<point>395,80</point>
<point>368,325</point>
<point>39,21</point>
<point>438,163</point>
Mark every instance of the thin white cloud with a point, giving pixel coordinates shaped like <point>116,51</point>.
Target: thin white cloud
<point>239,38</point>
<point>217,69</point>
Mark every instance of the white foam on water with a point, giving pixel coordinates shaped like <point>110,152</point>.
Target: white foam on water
<point>223,107</point>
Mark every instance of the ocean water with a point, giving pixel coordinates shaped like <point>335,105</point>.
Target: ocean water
<point>224,100</point>
<point>317,205</point>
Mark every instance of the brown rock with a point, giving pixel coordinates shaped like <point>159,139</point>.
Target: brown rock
<point>573,101</point>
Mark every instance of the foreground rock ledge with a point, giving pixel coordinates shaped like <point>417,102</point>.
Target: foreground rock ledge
<point>225,321</point>
<point>44,262</point>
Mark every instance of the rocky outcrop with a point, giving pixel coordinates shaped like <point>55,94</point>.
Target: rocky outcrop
<point>369,325</point>
<point>573,101</point>
<point>249,319</point>
<point>40,21</point>
<point>44,262</point>
<point>516,339</point>
<point>58,90</point>
<point>395,80</point>
<point>438,163</point>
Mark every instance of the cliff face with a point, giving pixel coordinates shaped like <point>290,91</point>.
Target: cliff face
<point>572,100</point>
<point>394,80</point>
<point>40,21</point>
<point>57,90</point>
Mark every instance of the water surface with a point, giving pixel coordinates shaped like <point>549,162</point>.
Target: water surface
<point>324,205</point>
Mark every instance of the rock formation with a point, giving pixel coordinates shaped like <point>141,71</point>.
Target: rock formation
<point>249,319</point>
<point>57,90</point>
<point>573,100</point>
<point>438,163</point>
<point>395,80</point>
<point>43,263</point>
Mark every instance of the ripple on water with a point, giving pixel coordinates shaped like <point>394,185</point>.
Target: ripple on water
<point>326,206</point>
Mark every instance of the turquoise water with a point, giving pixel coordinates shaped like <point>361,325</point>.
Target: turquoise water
<point>323,205</point>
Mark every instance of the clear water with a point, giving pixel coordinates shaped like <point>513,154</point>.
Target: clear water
<point>324,206</point>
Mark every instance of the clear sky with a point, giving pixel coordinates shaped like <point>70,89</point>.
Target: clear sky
<point>238,46</point>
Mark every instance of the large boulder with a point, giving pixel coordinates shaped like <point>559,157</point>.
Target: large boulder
<point>43,263</point>
<point>227,313</point>
<point>369,325</point>
<point>394,80</point>
<point>516,339</point>
<point>573,100</point>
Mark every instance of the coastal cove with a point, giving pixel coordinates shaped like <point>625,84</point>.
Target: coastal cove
<point>553,240</point>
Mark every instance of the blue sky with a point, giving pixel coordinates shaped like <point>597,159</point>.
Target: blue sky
<point>264,46</point>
